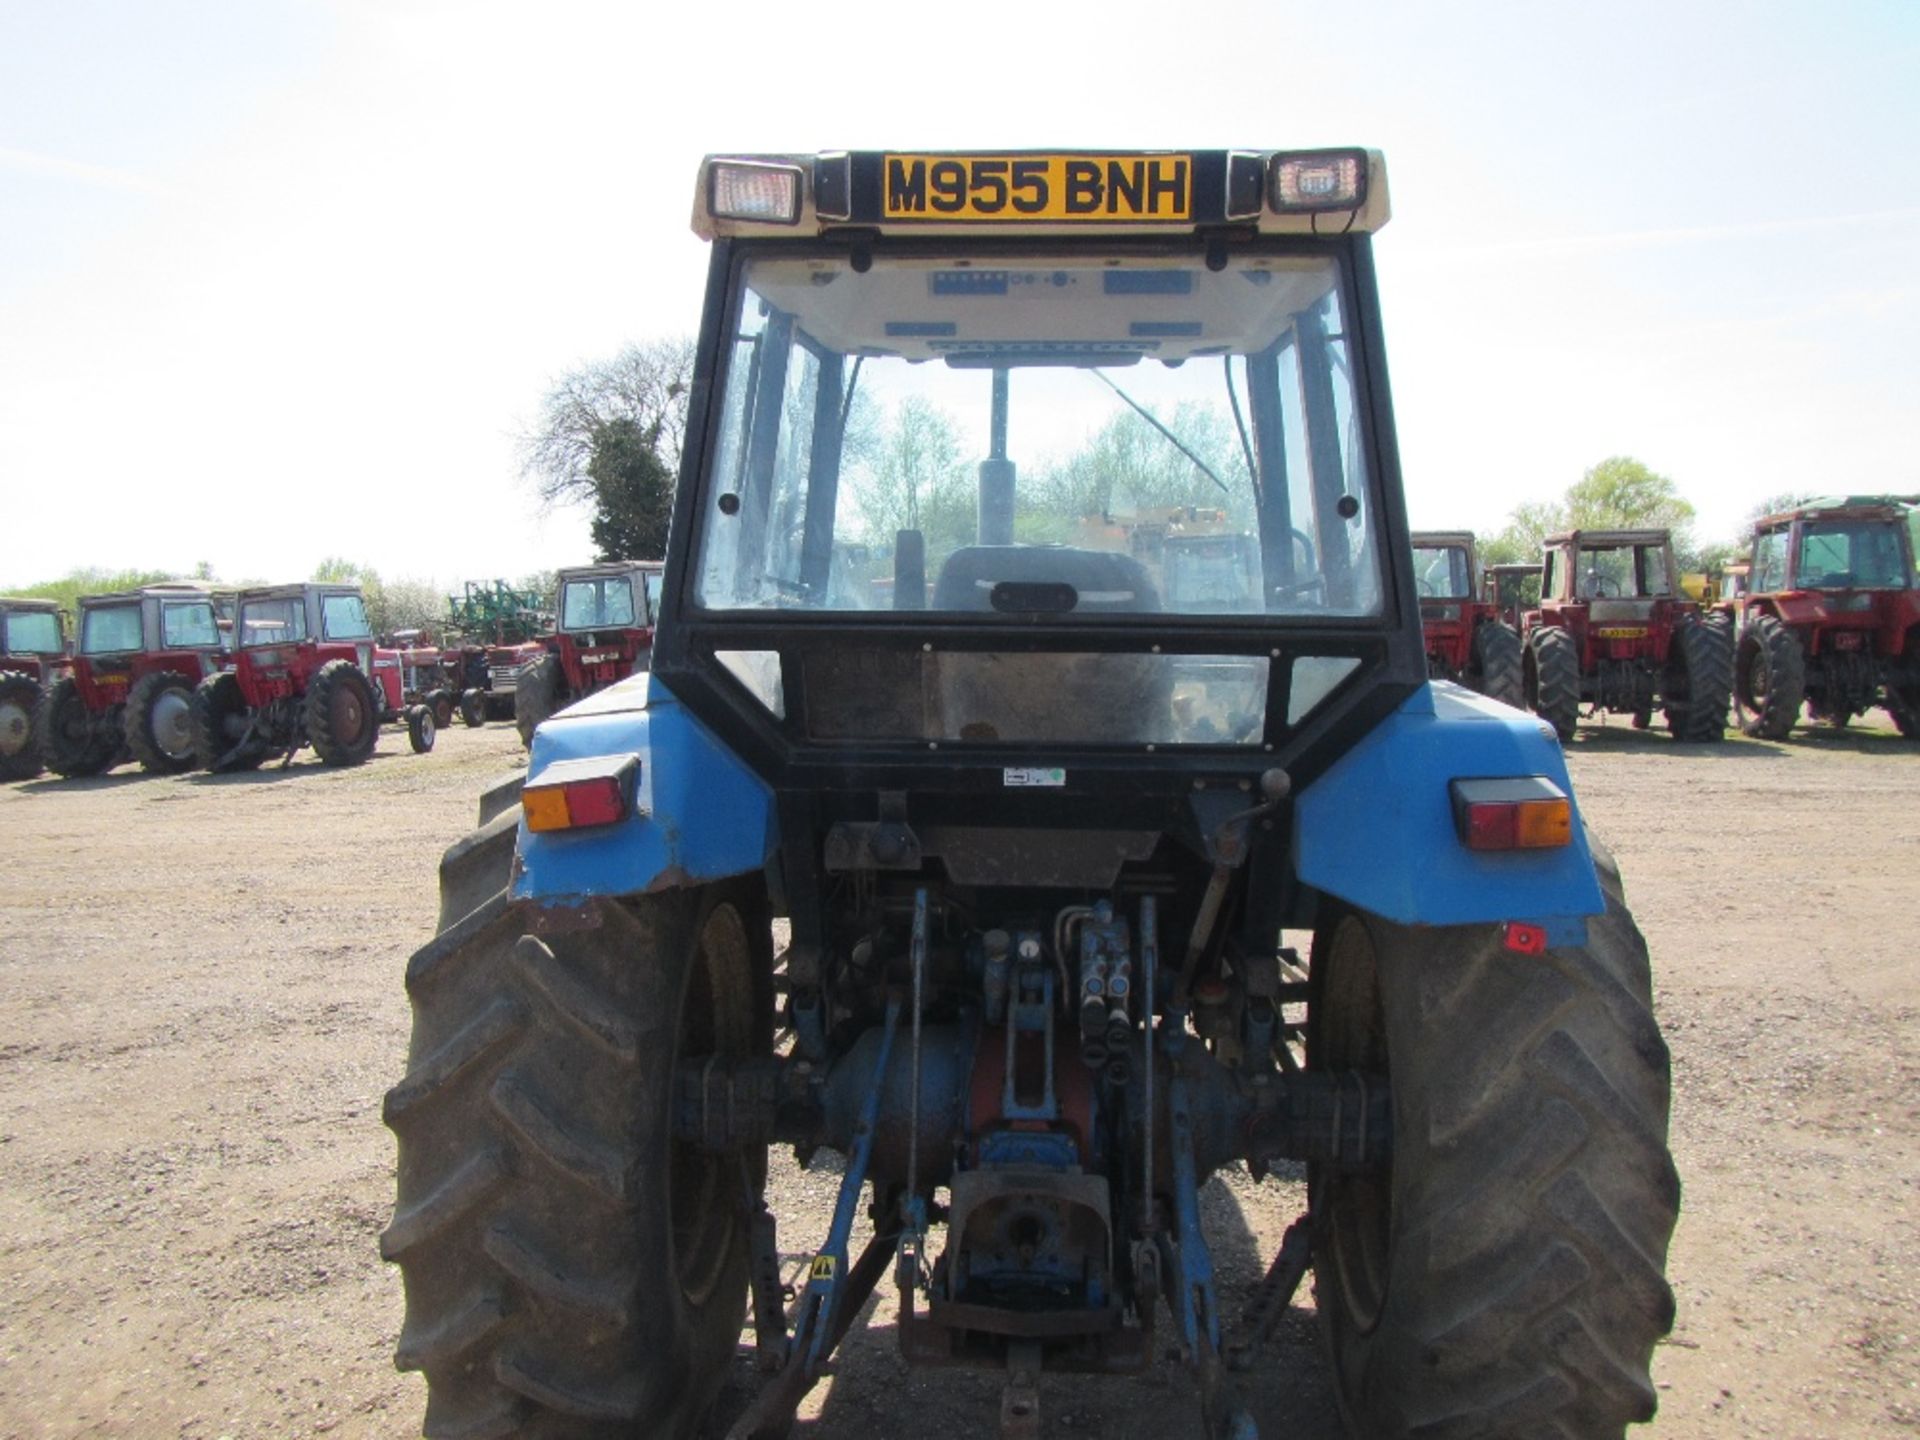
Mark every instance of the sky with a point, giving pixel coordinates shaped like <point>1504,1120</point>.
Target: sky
<point>285,279</point>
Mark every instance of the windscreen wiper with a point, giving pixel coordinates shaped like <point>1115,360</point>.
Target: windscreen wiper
<point>1177,443</point>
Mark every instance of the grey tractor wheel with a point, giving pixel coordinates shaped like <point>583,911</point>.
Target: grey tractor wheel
<point>158,722</point>
<point>343,718</point>
<point>441,703</point>
<point>536,694</point>
<point>571,1270</point>
<point>71,743</point>
<point>1504,1280</point>
<point>1499,667</point>
<point>1769,678</point>
<point>1553,679</point>
<point>1697,687</point>
<point>218,713</point>
<point>473,708</point>
<point>20,757</point>
<point>421,729</point>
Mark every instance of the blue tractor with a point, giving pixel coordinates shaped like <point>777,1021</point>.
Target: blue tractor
<point>947,835</point>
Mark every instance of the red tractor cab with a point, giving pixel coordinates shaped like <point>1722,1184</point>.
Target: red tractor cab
<point>603,633</point>
<point>138,655</point>
<point>305,673</point>
<point>1830,618</point>
<point>1512,590</point>
<point>1467,641</point>
<point>33,654</point>
<point>1614,631</point>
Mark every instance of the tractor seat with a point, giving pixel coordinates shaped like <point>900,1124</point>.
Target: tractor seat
<point>1102,580</point>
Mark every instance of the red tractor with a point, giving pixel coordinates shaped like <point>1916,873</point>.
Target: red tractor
<point>1512,590</point>
<point>305,672</point>
<point>604,634</point>
<point>139,655</point>
<point>1830,617</point>
<point>1614,631</point>
<point>33,654</point>
<point>1467,641</point>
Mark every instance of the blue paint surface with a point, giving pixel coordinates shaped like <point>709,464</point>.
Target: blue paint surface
<point>699,813</point>
<point>1377,829</point>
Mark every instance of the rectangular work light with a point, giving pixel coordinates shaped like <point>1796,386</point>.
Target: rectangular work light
<point>1307,180</point>
<point>577,794</point>
<point>1524,812</point>
<point>754,190</point>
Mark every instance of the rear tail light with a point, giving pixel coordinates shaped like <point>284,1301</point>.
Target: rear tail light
<point>1527,812</point>
<point>578,794</point>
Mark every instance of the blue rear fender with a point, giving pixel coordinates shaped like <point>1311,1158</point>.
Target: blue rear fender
<point>698,813</point>
<point>1377,829</point>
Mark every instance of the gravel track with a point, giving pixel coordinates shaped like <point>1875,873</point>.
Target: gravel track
<point>200,1007</point>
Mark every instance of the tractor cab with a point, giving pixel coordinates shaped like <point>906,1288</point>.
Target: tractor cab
<point>1613,580</point>
<point>605,616</point>
<point>1512,589</point>
<point>1467,640</point>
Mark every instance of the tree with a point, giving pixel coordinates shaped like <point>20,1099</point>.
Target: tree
<point>67,590</point>
<point>1620,493</point>
<point>633,490</point>
<point>644,386</point>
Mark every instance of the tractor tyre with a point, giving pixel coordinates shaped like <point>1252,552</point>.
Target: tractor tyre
<point>1499,667</point>
<point>473,708</point>
<point>1553,680</point>
<point>1504,1278</point>
<point>217,700</point>
<point>1697,688</point>
<point>343,723</point>
<point>572,1271</point>
<point>1769,678</point>
<point>441,703</point>
<point>158,722</point>
<point>71,744</point>
<point>536,694</point>
<point>421,728</point>
<point>1903,696</point>
<point>20,757</point>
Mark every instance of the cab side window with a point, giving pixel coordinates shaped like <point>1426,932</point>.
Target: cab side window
<point>1769,562</point>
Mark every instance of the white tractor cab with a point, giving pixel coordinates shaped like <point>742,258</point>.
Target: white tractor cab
<point>604,633</point>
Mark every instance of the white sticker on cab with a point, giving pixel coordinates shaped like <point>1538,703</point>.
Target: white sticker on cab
<point>1033,775</point>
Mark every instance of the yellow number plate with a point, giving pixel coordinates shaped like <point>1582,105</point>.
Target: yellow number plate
<point>1026,188</point>
<point>1620,632</point>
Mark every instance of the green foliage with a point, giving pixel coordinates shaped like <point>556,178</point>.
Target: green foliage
<point>1131,469</point>
<point>633,493</point>
<point>915,478</point>
<point>391,604</point>
<point>1619,493</point>
<point>68,589</point>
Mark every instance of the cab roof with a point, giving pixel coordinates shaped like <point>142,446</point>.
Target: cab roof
<point>1432,539</point>
<point>1028,192</point>
<point>1863,507</point>
<point>1597,538</point>
<point>168,590</point>
<point>299,591</point>
<point>23,602</point>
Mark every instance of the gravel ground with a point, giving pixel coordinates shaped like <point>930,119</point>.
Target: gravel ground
<point>200,1006</point>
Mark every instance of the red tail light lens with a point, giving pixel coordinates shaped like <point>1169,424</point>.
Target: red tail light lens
<point>578,794</point>
<point>1526,812</point>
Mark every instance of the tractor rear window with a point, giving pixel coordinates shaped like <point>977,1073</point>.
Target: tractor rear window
<point>110,629</point>
<point>273,622</point>
<point>1040,436</point>
<point>1440,572</point>
<point>33,634</point>
<point>597,604</point>
<point>1622,572</point>
<point>1835,554</point>
<point>344,617</point>
<point>188,626</point>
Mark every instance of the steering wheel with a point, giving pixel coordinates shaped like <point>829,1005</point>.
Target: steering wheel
<point>1602,587</point>
<point>1426,589</point>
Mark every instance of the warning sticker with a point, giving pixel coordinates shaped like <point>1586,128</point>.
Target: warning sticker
<point>1033,775</point>
<point>823,1267</point>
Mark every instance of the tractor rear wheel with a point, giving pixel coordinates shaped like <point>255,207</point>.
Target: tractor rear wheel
<point>1769,678</point>
<point>217,703</point>
<point>1698,685</point>
<point>71,743</point>
<point>343,721</point>
<point>1903,696</point>
<point>1498,665</point>
<point>421,729</point>
<point>473,708</point>
<point>572,1271</point>
<point>20,757</point>
<point>159,722</point>
<point>441,703</point>
<point>1553,679</point>
<point>1504,1279</point>
<point>536,694</point>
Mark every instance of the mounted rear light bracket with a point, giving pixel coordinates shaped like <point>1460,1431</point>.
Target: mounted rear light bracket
<point>1522,812</point>
<point>580,794</point>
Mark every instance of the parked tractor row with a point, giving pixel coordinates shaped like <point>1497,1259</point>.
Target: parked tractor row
<point>156,676</point>
<point>1824,616</point>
